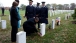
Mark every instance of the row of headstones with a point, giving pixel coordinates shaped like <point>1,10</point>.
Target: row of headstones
<point>3,23</point>
<point>21,36</point>
<point>67,16</point>
<point>58,20</point>
<point>52,13</point>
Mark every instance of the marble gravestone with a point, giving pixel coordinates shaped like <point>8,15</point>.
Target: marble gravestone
<point>42,29</point>
<point>53,24</point>
<point>50,13</point>
<point>21,37</point>
<point>3,24</point>
<point>65,16</point>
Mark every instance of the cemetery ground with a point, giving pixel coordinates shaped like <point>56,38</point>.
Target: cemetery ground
<point>65,33</point>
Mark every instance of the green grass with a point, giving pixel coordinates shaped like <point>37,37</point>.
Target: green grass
<point>65,33</point>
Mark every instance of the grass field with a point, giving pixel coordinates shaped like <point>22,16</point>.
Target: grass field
<point>65,33</point>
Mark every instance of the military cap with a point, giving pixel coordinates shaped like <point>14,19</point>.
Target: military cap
<point>43,2</point>
<point>31,0</point>
<point>38,3</point>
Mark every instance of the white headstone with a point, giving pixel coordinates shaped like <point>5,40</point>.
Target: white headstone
<point>65,17</point>
<point>50,13</point>
<point>53,23</point>
<point>42,29</point>
<point>69,16</point>
<point>3,24</point>
<point>0,19</point>
<point>21,37</point>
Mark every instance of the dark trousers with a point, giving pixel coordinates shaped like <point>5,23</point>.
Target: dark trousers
<point>13,33</point>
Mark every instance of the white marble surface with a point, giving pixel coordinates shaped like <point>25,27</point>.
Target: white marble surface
<point>3,24</point>
<point>53,24</point>
<point>21,37</point>
<point>42,29</point>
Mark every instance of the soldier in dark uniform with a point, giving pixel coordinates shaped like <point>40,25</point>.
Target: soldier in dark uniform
<point>3,11</point>
<point>29,26</point>
<point>38,13</point>
<point>30,10</point>
<point>44,14</point>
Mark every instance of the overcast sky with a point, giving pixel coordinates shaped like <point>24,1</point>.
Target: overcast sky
<point>8,3</point>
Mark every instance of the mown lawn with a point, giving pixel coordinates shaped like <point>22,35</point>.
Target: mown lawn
<point>65,33</point>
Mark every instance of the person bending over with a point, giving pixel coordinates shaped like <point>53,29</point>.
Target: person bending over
<point>29,26</point>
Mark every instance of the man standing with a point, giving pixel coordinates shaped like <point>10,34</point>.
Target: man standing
<point>3,11</point>
<point>44,14</point>
<point>30,10</point>
<point>38,13</point>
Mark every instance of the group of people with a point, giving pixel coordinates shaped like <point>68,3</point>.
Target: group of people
<point>33,14</point>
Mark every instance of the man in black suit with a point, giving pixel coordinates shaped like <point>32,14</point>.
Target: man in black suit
<point>38,13</point>
<point>30,27</point>
<point>3,11</point>
<point>30,10</point>
<point>44,14</point>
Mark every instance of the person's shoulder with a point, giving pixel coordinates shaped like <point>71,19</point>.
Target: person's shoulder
<point>46,7</point>
<point>13,8</point>
<point>18,7</point>
<point>33,6</point>
<point>27,6</point>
